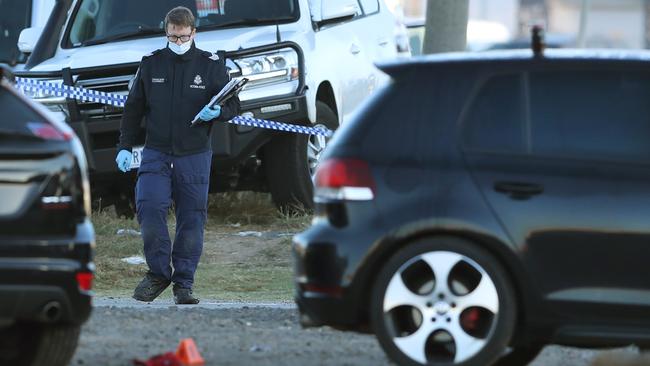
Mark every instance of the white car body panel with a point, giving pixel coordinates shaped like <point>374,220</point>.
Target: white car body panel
<point>329,56</point>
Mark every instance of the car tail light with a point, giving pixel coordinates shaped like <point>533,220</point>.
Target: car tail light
<point>85,281</point>
<point>344,179</point>
<point>47,131</point>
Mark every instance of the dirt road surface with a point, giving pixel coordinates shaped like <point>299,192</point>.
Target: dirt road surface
<point>245,334</point>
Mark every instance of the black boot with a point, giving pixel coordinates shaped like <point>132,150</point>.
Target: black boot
<point>184,296</point>
<point>150,287</point>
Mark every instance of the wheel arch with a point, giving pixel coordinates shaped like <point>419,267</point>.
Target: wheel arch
<point>326,95</point>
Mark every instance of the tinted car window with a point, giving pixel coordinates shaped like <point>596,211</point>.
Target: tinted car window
<point>412,117</point>
<point>369,6</point>
<point>16,113</point>
<point>599,114</point>
<point>398,119</point>
<point>100,21</point>
<point>495,120</point>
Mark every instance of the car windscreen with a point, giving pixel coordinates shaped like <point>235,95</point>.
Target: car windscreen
<point>96,21</point>
<point>14,17</point>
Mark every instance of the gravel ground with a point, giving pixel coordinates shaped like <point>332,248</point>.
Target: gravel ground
<point>246,334</point>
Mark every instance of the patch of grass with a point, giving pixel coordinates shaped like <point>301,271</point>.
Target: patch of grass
<point>114,277</point>
<point>232,267</point>
<point>251,209</point>
<point>230,282</point>
<point>245,283</point>
<point>243,208</point>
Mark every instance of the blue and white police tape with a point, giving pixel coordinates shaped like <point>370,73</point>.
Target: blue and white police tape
<point>58,90</point>
<point>254,122</point>
<point>117,100</point>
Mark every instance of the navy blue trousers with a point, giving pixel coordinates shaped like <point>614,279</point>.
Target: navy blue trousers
<point>184,180</point>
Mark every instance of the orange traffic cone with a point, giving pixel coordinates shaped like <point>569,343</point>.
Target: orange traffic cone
<point>188,354</point>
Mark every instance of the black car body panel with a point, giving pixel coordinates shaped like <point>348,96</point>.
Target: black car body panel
<point>46,237</point>
<point>570,230</point>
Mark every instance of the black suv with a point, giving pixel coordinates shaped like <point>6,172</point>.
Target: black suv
<point>46,238</point>
<point>488,203</point>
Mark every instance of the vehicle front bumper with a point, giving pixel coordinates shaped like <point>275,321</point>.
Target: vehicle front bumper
<point>234,143</point>
<point>38,278</point>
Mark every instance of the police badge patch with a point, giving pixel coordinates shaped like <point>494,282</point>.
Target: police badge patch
<point>197,83</point>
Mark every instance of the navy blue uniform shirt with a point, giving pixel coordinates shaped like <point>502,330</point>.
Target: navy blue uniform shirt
<point>168,91</point>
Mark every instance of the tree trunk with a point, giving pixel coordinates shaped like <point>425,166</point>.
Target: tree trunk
<point>446,26</point>
<point>646,5</point>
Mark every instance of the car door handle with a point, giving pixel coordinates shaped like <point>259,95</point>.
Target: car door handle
<point>354,49</point>
<point>383,42</point>
<point>518,190</point>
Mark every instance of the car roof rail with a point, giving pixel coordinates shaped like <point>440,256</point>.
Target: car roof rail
<point>5,73</point>
<point>537,43</point>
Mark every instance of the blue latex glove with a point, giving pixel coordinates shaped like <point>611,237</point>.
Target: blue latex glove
<point>208,114</point>
<point>123,160</point>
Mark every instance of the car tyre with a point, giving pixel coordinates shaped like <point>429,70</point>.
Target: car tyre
<point>33,345</point>
<point>466,320</point>
<point>290,160</point>
<point>125,203</point>
<point>125,208</point>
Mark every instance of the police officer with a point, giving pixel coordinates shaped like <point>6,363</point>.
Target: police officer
<point>171,86</point>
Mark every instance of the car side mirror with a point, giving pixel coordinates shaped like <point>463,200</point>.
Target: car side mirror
<point>327,10</point>
<point>5,73</point>
<point>28,39</point>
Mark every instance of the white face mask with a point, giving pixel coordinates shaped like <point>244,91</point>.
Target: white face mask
<point>180,49</point>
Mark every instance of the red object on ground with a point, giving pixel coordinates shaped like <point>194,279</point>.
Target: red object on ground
<point>166,359</point>
<point>188,354</point>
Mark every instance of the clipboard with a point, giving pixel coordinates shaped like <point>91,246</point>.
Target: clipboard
<point>231,89</point>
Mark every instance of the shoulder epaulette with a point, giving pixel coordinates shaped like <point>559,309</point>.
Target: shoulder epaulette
<point>214,56</point>
<point>152,53</point>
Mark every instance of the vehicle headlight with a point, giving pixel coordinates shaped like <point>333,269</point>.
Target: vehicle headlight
<point>32,92</point>
<point>39,94</point>
<point>269,68</point>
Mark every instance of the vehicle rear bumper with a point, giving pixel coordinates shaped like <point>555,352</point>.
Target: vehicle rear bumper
<point>46,304</point>
<point>329,290</point>
<point>317,310</point>
<point>38,278</point>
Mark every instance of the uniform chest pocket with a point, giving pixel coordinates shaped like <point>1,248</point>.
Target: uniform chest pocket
<point>159,88</point>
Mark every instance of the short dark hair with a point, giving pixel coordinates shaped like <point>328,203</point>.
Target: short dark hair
<point>180,15</point>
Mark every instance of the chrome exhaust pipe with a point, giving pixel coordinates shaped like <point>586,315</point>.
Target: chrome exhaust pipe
<point>51,312</point>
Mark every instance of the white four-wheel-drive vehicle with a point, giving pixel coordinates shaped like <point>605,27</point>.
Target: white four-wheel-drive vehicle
<point>309,62</point>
